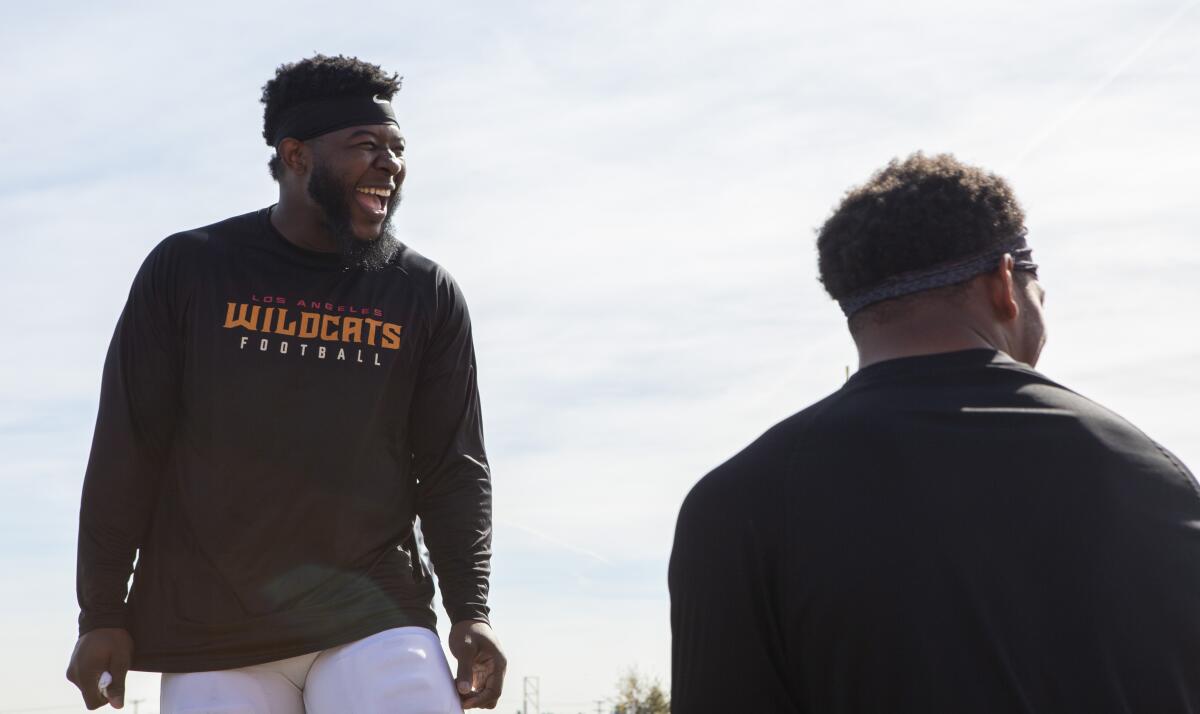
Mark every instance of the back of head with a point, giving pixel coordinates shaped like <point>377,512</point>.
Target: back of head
<point>910,229</point>
<point>319,77</point>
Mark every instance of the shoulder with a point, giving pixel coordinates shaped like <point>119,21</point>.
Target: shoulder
<point>196,243</point>
<point>1126,456</point>
<point>757,474</point>
<point>1097,423</point>
<point>172,268</point>
<point>433,282</point>
<point>1080,435</point>
<point>422,269</point>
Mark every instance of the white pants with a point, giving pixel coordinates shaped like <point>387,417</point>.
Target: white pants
<point>401,670</point>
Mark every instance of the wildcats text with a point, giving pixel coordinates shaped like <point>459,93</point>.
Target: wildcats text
<point>304,325</point>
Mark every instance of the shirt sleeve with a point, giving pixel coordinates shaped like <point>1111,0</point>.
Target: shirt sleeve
<point>139,396</point>
<point>727,653</point>
<point>454,492</point>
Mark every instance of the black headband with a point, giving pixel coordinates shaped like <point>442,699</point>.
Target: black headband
<point>321,116</point>
<point>941,275</point>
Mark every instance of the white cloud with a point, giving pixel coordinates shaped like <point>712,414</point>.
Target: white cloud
<point>627,193</point>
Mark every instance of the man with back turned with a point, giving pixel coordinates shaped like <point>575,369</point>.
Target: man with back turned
<point>951,531</point>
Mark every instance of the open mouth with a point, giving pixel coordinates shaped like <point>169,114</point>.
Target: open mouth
<point>373,200</point>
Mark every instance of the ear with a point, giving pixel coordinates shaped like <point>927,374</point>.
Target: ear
<point>295,155</point>
<point>1002,290</point>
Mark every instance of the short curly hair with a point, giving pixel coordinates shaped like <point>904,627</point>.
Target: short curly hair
<point>318,77</point>
<point>914,214</point>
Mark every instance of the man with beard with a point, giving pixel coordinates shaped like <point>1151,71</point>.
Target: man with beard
<point>951,531</point>
<point>270,499</point>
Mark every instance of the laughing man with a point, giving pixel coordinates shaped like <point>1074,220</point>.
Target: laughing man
<point>286,392</point>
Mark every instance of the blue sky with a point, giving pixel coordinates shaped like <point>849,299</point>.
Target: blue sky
<point>627,192</point>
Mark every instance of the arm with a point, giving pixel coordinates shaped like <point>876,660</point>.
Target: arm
<point>138,402</point>
<point>726,629</point>
<point>454,493</point>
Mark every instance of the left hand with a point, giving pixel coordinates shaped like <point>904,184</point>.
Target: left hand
<point>481,664</point>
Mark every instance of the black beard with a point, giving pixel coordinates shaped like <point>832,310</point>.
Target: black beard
<point>330,195</point>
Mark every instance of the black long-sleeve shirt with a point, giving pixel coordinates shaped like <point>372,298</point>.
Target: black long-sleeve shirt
<point>949,533</point>
<point>270,426</point>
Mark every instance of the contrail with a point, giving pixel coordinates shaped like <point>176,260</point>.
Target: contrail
<point>1100,86</point>
<point>554,541</point>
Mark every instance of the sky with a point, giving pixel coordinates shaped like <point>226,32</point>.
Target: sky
<point>627,193</point>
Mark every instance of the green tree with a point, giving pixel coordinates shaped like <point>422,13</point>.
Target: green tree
<point>637,694</point>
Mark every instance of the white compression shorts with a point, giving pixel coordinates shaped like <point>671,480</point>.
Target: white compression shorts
<point>398,671</point>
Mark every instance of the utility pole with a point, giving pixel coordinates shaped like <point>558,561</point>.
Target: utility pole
<point>599,703</point>
<point>532,685</point>
<point>135,704</point>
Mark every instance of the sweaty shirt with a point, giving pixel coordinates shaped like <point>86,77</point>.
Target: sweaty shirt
<point>946,533</point>
<point>270,426</point>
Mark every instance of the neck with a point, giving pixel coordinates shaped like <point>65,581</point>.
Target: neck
<point>924,331</point>
<point>301,223</point>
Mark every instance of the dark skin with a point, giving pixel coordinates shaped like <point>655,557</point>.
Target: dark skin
<point>481,664</point>
<point>1000,310</point>
<point>367,157</point>
<point>107,649</point>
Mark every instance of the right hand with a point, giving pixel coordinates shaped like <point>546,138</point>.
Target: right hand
<point>107,649</point>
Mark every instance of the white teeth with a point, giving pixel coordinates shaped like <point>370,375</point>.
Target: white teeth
<point>376,191</point>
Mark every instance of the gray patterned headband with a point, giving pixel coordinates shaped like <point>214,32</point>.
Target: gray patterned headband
<point>941,275</point>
